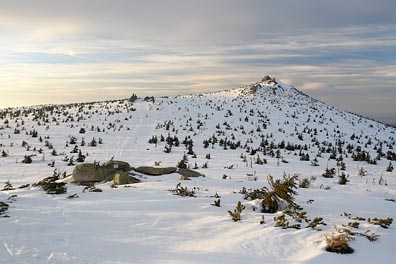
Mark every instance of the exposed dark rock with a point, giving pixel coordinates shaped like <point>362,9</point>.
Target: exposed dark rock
<point>89,172</point>
<point>266,78</point>
<point>154,171</point>
<point>189,173</point>
<point>117,165</point>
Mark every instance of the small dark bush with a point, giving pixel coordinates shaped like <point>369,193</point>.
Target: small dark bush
<point>338,243</point>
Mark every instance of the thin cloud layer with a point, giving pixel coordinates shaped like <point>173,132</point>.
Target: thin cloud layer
<point>342,52</point>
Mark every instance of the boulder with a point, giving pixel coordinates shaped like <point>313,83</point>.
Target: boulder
<point>189,173</point>
<point>154,171</point>
<point>122,177</point>
<point>89,172</point>
<point>117,165</point>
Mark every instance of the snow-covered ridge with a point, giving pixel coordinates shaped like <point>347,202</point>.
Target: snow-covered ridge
<point>236,138</point>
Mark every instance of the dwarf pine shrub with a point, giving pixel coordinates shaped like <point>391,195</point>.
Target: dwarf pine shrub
<point>354,224</point>
<point>281,221</point>
<point>92,189</point>
<point>3,209</point>
<point>50,185</point>
<point>183,191</point>
<point>216,203</point>
<point>383,222</point>
<point>236,215</point>
<point>73,196</point>
<point>315,222</point>
<point>4,154</point>
<point>304,183</point>
<point>342,179</point>
<point>362,172</point>
<point>183,163</point>
<point>329,173</point>
<point>280,190</point>
<point>367,234</point>
<point>390,167</point>
<point>339,243</point>
<point>8,187</point>
<point>54,187</point>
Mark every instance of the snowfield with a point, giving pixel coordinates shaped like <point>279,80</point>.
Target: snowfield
<point>268,121</point>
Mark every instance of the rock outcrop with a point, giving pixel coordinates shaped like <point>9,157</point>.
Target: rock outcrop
<point>155,171</point>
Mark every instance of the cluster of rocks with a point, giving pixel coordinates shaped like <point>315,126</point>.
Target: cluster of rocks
<point>122,173</point>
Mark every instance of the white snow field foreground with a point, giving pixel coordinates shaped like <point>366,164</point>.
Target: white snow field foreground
<point>147,223</point>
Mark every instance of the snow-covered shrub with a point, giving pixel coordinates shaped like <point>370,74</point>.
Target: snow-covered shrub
<point>342,178</point>
<point>183,191</point>
<point>278,197</point>
<point>339,243</point>
<point>304,183</point>
<point>329,173</point>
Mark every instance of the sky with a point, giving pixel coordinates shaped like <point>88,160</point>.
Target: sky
<point>340,52</point>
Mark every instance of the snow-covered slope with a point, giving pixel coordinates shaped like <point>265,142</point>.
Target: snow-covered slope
<point>242,136</point>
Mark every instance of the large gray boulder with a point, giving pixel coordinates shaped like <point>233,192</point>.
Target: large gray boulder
<point>190,173</point>
<point>89,172</point>
<point>155,171</point>
<point>117,165</point>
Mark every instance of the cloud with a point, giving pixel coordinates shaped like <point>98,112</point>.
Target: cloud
<point>196,22</point>
<point>314,86</point>
<point>340,51</point>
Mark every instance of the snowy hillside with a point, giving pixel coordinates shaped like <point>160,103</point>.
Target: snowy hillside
<point>346,184</point>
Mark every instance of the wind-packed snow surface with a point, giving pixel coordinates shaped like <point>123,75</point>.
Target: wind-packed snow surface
<point>269,121</point>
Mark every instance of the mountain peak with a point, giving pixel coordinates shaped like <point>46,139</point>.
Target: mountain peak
<point>267,84</point>
<point>268,80</point>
